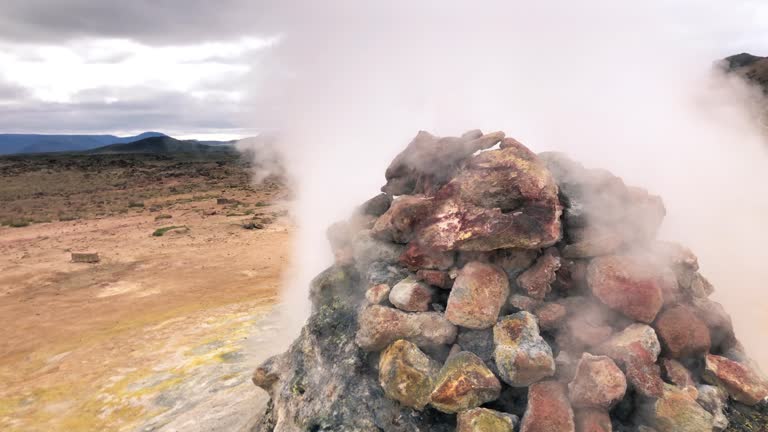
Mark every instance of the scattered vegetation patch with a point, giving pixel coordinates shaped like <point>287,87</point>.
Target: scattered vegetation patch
<point>163,216</point>
<point>17,223</point>
<point>161,231</point>
<point>136,204</point>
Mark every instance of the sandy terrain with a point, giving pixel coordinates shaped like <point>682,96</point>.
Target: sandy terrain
<point>161,327</point>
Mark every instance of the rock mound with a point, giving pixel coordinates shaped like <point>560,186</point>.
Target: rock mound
<point>493,289</point>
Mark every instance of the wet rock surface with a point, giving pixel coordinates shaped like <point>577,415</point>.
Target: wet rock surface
<point>521,285</point>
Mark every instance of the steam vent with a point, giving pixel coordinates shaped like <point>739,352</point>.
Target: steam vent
<point>503,291</point>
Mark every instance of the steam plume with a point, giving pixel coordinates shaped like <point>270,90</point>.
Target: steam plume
<point>626,87</point>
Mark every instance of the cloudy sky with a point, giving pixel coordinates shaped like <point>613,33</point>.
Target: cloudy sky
<point>179,66</point>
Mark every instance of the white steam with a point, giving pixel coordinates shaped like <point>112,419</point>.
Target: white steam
<point>623,86</point>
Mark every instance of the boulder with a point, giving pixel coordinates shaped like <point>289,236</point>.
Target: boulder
<point>429,161</point>
<point>713,399</point>
<point>524,303</point>
<point>367,250</point>
<point>598,383</point>
<point>740,381</point>
<point>628,284</point>
<point>381,325</point>
<point>418,257</point>
<point>593,241</point>
<point>636,349</point>
<point>718,322</point>
<point>411,295</point>
<point>464,382</point>
<point>522,356</point>
<point>502,199</point>
<point>682,333</point>
<point>477,296</point>
<point>537,280</point>
<point>592,420</point>
<point>485,420</point>
<point>399,222</point>
<point>550,315</point>
<point>406,374</point>
<point>676,373</point>
<point>438,278</point>
<point>677,411</point>
<point>377,294</point>
<point>377,205</point>
<point>548,409</point>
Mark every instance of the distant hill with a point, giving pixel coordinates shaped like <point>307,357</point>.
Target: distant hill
<point>753,67</point>
<point>161,145</point>
<point>35,143</point>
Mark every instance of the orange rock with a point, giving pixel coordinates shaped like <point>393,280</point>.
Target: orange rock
<point>741,382</point>
<point>628,284</point>
<point>598,383</point>
<point>682,333</point>
<point>548,409</point>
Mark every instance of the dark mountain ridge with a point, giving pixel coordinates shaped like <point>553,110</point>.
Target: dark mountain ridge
<point>752,67</point>
<point>161,145</point>
<point>40,143</point>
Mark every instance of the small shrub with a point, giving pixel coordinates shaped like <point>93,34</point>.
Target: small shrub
<point>163,216</point>
<point>135,204</point>
<point>17,223</point>
<point>161,231</point>
<point>261,204</point>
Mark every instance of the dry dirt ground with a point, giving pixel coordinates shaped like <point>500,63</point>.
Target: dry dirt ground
<point>162,334</point>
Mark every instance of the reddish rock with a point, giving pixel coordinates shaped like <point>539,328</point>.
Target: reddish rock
<point>680,376</point>
<point>464,382</point>
<point>417,257</point>
<point>514,261</point>
<point>537,280</point>
<point>628,284</point>
<point>501,199</point>
<point>550,315</point>
<point>548,409</point>
<point>377,294</point>
<point>592,420</point>
<point>522,356</point>
<point>477,296</point>
<point>411,295</point>
<point>381,325</point>
<point>740,381</point>
<point>598,383</point>
<point>593,241</point>
<point>440,279</point>
<point>399,222</point>
<point>525,303</point>
<point>636,349</point>
<point>717,320</point>
<point>429,161</point>
<point>376,206</point>
<point>571,277</point>
<point>682,333</point>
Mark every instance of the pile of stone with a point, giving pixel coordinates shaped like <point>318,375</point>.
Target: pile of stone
<point>489,288</point>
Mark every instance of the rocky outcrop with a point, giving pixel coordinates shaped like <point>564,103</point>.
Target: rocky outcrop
<point>500,283</point>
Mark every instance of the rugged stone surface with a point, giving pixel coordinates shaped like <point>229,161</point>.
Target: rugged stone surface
<point>406,374</point>
<point>677,411</point>
<point>537,280</point>
<point>676,373</point>
<point>682,333</point>
<point>411,295</point>
<point>713,399</point>
<point>592,420</point>
<point>627,284</point>
<point>598,383</point>
<point>399,222</point>
<point>636,349</point>
<point>740,381</point>
<point>548,409</point>
<point>477,296</point>
<point>550,315</point>
<point>418,257</point>
<point>440,279</point>
<point>522,356</point>
<point>464,382</point>
<point>379,326</point>
<point>377,294</point>
<point>485,420</point>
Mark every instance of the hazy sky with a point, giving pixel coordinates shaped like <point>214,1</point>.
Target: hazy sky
<point>178,66</point>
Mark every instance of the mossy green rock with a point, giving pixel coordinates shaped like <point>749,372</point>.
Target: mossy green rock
<point>407,374</point>
<point>464,382</point>
<point>485,420</point>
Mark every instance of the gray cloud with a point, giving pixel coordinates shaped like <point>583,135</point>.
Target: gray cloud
<point>148,21</point>
<point>10,92</point>
<point>138,109</point>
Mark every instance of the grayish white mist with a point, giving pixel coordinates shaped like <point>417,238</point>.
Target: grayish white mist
<point>623,86</point>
